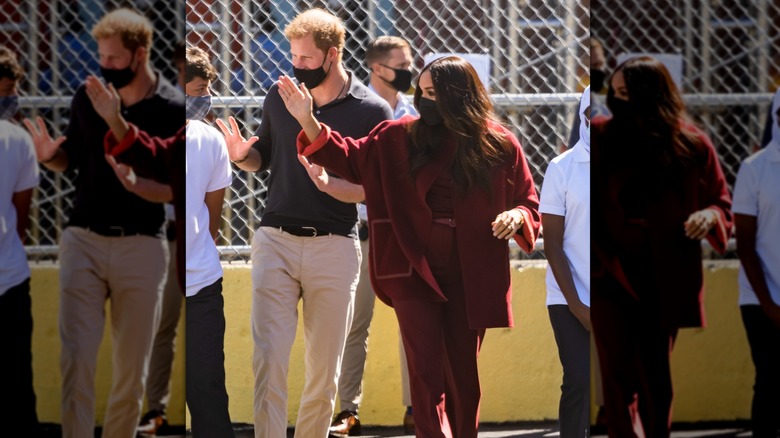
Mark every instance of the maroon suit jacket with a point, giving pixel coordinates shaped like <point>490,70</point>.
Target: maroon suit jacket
<point>676,267</point>
<point>400,221</point>
<point>160,159</point>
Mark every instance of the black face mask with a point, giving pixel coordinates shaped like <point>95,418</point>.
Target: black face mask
<point>597,78</point>
<point>620,109</point>
<point>312,78</point>
<point>120,78</point>
<point>402,81</point>
<point>429,112</point>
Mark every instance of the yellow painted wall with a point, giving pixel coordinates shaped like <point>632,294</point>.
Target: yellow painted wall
<point>519,367</point>
<point>44,288</point>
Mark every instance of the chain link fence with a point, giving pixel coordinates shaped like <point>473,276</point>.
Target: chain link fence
<point>538,52</point>
<point>730,60</point>
<point>52,40</point>
<point>727,55</point>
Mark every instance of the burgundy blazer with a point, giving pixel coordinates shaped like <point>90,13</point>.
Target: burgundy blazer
<point>676,260</point>
<point>160,159</point>
<point>400,221</point>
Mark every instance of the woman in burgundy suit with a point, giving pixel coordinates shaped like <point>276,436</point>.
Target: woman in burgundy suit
<point>657,190</point>
<point>445,192</point>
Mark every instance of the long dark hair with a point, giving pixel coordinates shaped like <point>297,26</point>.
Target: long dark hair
<point>466,109</point>
<point>659,114</point>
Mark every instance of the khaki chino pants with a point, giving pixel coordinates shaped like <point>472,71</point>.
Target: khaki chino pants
<point>323,272</point>
<point>130,273</point>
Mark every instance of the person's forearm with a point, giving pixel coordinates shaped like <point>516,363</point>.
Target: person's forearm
<point>345,191</point>
<point>58,162</point>
<point>153,191</point>
<point>311,127</point>
<point>251,163</point>
<point>118,126</point>
<point>751,263</point>
<point>562,273</point>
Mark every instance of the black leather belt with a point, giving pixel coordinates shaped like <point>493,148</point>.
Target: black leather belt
<point>118,231</point>
<point>303,231</point>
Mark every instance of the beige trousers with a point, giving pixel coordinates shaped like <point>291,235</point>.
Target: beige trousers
<point>130,273</point>
<point>158,383</point>
<point>323,272</point>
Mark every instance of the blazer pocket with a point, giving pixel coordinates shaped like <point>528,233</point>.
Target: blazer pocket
<point>388,259</point>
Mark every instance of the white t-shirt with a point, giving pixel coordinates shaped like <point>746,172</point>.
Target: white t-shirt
<point>757,193</point>
<point>208,169</point>
<point>566,192</point>
<point>18,172</point>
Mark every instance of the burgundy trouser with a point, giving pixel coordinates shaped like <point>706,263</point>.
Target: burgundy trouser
<point>634,350</point>
<point>441,349</point>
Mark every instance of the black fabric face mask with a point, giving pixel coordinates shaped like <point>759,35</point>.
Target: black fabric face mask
<point>402,81</point>
<point>121,77</point>
<point>429,112</point>
<point>620,109</point>
<point>597,78</point>
<point>312,78</point>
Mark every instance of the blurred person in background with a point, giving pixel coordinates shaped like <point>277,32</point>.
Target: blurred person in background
<point>658,189</point>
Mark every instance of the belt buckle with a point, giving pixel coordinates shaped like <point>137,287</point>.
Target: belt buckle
<point>311,228</point>
<point>121,230</point>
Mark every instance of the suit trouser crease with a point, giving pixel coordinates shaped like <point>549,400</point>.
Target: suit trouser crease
<point>442,349</point>
<point>634,349</point>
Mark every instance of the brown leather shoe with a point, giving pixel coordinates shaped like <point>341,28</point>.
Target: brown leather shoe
<point>346,423</point>
<point>408,424</point>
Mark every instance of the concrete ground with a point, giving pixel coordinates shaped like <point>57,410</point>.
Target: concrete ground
<point>502,430</point>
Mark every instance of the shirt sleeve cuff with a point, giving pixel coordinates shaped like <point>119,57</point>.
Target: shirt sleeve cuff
<point>718,235</point>
<point>114,147</point>
<point>525,237</point>
<point>306,148</point>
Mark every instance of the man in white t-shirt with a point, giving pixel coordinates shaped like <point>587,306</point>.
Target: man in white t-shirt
<point>756,208</point>
<point>565,208</point>
<point>389,58</point>
<point>208,173</point>
<point>18,176</point>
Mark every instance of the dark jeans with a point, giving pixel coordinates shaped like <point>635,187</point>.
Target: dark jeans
<point>574,351</point>
<point>17,398</point>
<point>764,339</point>
<point>207,397</point>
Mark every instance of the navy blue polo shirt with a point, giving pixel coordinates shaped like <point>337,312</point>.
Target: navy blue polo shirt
<point>293,198</point>
<point>101,201</point>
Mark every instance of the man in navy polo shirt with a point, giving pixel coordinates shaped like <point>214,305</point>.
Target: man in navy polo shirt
<point>113,245</point>
<point>306,247</point>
